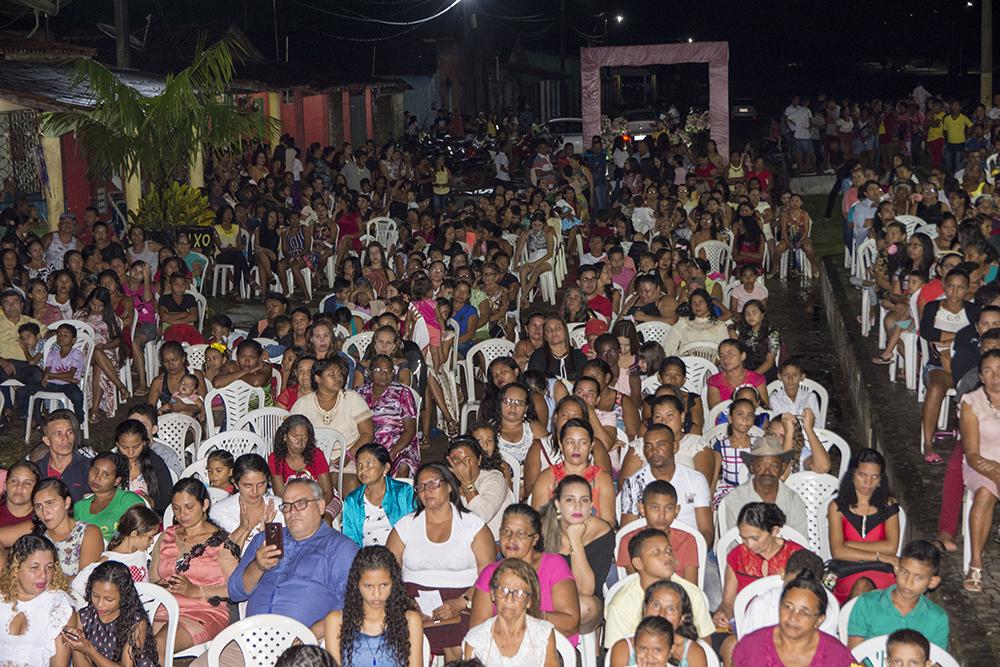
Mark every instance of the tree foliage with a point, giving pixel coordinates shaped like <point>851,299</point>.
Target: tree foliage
<point>125,129</point>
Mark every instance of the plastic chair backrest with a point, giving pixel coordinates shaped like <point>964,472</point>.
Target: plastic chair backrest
<point>843,618</point>
<point>700,544</point>
<point>698,372</point>
<point>717,254</point>
<point>329,441</point>
<point>78,324</point>
<point>516,470</point>
<point>236,397</point>
<point>746,596</point>
<point>822,395</point>
<point>654,331</point>
<point>578,336</point>
<point>488,350</point>
<point>261,638</point>
<point>196,356</point>
<point>202,306</point>
<point>874,651</point>
<point>650,385</point>
<point>384,231</point>
<point>172,430</point>
<point>565,650</point>
<point>360,342</point>
<point>152,598</point>
<point>815,490</point>
<point>911,222</point>
<point>699,350</point>
<point>236,443</point>
<point>627,529</point>
<point>264,422</point>
<point>829,439</point>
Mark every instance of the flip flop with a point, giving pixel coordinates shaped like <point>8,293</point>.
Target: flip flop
<point>974,580</point>
<point>933,458</point>
<point>880,360</point>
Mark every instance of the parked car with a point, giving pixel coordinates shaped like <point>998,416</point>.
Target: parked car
<point>641,122</point>
<point>566,131</point>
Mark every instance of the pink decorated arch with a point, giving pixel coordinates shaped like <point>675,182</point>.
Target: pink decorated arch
<point>716,54</point>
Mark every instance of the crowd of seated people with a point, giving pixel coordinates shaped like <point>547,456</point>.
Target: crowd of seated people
<point>610,478</point>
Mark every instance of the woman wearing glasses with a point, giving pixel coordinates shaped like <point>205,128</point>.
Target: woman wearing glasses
<point>442,547</point>
<point>521,538</point>
<point>515,637</point>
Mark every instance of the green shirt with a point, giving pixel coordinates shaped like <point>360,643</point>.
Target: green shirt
<point>874,615</point>
<point>107,519</point>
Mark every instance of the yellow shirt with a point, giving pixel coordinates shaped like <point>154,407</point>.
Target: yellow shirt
<point>954,128</point>
<point>624,610</point>
<point>9,347</point>
<point>935,133</point>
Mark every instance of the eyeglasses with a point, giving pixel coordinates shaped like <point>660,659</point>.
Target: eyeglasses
<point>518,594</point>
<point>789,608</point>
<point>298,505</point>
<point>429,485</point>
<point>515,534</point>
<point>514,402</point>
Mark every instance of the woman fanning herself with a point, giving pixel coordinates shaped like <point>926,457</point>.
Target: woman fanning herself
<point>114,628</point>
<point>668,600</point>
<point>733,375</point>
<point>864,528</point>
<point>576,439</point>
<point>442,547</point>
<point>521,538</point>
<point>585,541</point>
<point>980,425</point>
<point>379,623</point>
<point>192,559</point>
<point>516,636</point>
<point>760,554</point>
<point>35,606</point>
<point>77,543</point>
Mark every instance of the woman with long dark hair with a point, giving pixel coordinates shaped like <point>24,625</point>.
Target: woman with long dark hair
<point>244,513</point>
<point>864,528</point>
<point>108,479</point>
<point>379,622</point>
<point>760,340</point>
<point>442,546</point>
<point>114,623</point>
<point>77,544</point>
<point>516,421</point>
<point>296,455</point>
<point>106,360</point>
<point>193,558</point>
<point>556,357</point>
<point>148,475</point>
<point>36,303</point>
<point>701,326</point>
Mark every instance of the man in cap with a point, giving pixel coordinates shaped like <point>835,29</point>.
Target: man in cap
<point>766,460</point>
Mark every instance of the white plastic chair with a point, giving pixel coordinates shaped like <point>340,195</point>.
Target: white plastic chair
<point>700,545</point>
<point>578,335</point>
<point>874,650</point>
<point>172,430</point>
<point>220,274</point>
<point>627,529</point>
<point>831,440</point>
<point>698,371</point>
<point>199,470</point>
<point>717,254</point>
<point>764,585</point>
<point>152,598</point>
<point>236,443</point>
<point>384,230</point>
<point>198,282</point>
<point>360,342</point>
<point>699,350</point>
<point>196,356</point>
<point>546,281</point>
<point>815,490</point>
<point>654,331</point>
<point>516,470</point>
<point>650,385</point>
<point>261,638</point>
<point>264,422</point>
<point>236,397</point>
<point>844,618</point>
<point>329,440</point>
<point>202,307</point>
<point>966,534</point>
<point>488,350</point>
<point>565,650</point>
<point>85,343</point>
<point>808,384</point>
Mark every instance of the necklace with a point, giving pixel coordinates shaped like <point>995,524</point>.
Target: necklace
<point>375,654</point>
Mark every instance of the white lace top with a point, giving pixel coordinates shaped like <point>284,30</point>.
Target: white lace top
<point>530,654</point>
<point>47,615</point>
<point>519,449</point>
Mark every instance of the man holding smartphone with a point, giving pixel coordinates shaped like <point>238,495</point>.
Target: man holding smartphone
<point>300,572</point>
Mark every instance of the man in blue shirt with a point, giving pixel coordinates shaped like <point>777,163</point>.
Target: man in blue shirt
<point>306,580</point>
<point>597,161</point>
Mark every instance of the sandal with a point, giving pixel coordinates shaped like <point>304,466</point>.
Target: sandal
<point>881,361</point>
<point>974,580</point>
<point>425,442</point>
<point>933,458</point>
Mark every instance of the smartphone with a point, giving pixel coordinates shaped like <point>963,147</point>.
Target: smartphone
<point>72,633</point>
<point>273,536</point>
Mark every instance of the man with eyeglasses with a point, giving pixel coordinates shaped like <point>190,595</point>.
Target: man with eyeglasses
<point>306,579</point>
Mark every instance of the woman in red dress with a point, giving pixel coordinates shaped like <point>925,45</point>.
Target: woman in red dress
<point>761,553</point>
<point>864,528</point>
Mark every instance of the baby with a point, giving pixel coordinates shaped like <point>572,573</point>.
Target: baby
<point>187,393</point>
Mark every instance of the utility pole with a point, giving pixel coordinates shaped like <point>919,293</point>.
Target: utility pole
<point>121,33</point>
<point>562,36</point>
<point>986,52</point>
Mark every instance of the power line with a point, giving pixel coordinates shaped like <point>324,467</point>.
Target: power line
<point>363,39</point>
<point>368,19</point>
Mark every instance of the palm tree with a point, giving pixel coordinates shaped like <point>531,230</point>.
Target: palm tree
<point>126,130</point>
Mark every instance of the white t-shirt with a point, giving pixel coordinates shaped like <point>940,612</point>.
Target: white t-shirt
<point>691,486</point>
<point>805,398</point>
<point>799,119</point>
<point>502,166</point>
<point>450,564</point>
<point>376,525</point>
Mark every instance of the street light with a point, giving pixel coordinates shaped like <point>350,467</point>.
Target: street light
<point>619,18</point>
<point>690,40</point>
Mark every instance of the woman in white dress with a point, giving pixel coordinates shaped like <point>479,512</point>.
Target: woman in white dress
<point>516,636</point>
<point>35,607</point>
